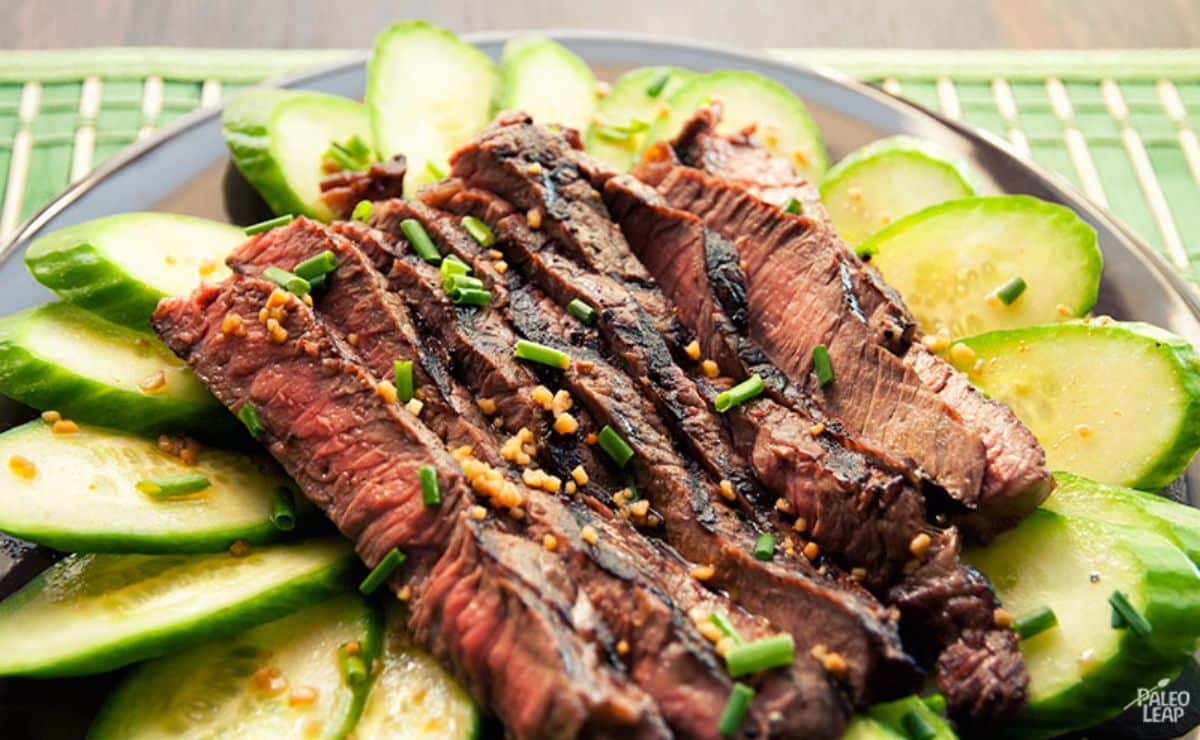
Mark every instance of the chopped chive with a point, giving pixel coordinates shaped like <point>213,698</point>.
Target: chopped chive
<point>461,282</point>
<point>935,702</point>
<point>381,571</point>
<point>822,365</point>
<point>764,548</point>
<point>542,354</point>
<point>726,627</point>
<point>290,281</point>
<point>793,207</point>
<point>419,238</point>
<point>178,485</point>
<point>479,231</point>
<point>636,126</point>
<point>402,376</point>
<point>283,510</point>
<point>1035,622</point>
<point>319,265</point>
<point>744,391</point>
<point>362,212</point>
<point>917,727</point>
<point>654,89</point>
<point>1124,615</point>
<point>430,493</point>
<point>617,448</point>
<point>249,417</point>
<point>317,283</point>
<point>1011,290</point>
<point>761,655</point>
<point>631,485</point>
<point>613,135</point>
<point>357,147</point>
<point>354,670</point>
<point>269,224</point>
<point>470,297</point>
<point>433,168</point>
<point>581,311</point>
<point>342,158</point>
<point>452,265</point>
<point>735,710</point>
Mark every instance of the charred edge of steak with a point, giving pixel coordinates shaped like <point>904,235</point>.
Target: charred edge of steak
<point>344,190</point>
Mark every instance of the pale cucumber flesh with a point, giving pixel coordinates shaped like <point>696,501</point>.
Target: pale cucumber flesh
<point>303,128</point>
<point>282,679</point>
<point>542,78</point>
<point>83,495</point>
<point>614,134</point>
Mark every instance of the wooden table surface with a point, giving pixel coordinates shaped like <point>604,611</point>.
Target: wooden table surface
<point>971,24</point>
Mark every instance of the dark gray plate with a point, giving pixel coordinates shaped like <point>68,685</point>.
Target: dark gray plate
<point>185,169</point>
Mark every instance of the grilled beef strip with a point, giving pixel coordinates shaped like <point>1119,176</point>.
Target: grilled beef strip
<point>1015,479</point>
<point>666,656</point>
<point>343,190</point>
<point>503,613</point>
<point>854,506</point>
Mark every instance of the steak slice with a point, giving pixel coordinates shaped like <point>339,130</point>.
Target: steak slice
<point>503,616</point>
<point>854,507</point>
<point>344,190</point>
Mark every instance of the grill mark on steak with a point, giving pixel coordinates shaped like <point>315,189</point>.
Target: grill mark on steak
<point>344,190</point>
<point>502,613</point>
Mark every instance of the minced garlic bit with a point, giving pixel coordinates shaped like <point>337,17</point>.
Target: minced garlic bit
<point>693,349</point>
<point>51,416</point>
<point>703,572</point>
<point>234,325</point>
<point>488,481</point>
<point>783,505</point>
<point>833,662</point>
<point>664,111</point>
<point>800,524</point>
<point>588,534</point>
<point>920,545</point>
<point>789,547</point>
<point>517,513</point>
<point>495,254</point>
<point>153,383</point>
<point>269,680</point>
<point>591,438</point>
<point>385,390</point>
<point>519,448</point>
<point>239,548</point>
<point>501,267</point>
<point>727,491</point>
<point>623,647</point>
<point>710,368</point>
<point>1064,311</point>
<point>962,353</point>
<point>724,645</point>
<point>640,508</point>
<point>534,169</point>
<point>486,405</point>
<point>414,406</point>
<point>208,267</point>
<point>277,333</point>
<point>462,453</point>
<point>22,467</point>
<point>935,342</point>
<point>858,574</point>
<point>856,194</point>
<point>562,402</point>
<point>1001,618</point>
<point>580,475</point>
<point>533,217</point>
<point>570,488</point>
<point>603,88</point>
<point>478,512</point>
<point>405,593</point>
<point>302,697</point>
<point>542,396</point>
<point>817,429</point>
<point>564,423</point>
<point>1084,431</point>
<point>184,448</point>
<point>709,631</point>
<point>585,366</point>
<point>352,338</point>
<point>812,551</point>
<point>64,426</point>
<point>550,542</point>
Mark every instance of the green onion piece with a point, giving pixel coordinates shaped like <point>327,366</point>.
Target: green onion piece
<point>381,571</point>
<point>1011,290</point>
<point>479,231</point>
<point>744,391</point>
<point>358,148</point>
<point>283,510</point>
<point>362,212</point>
<point>764,548</point>
<point>420,240</point>
<point>290,281</point>
<point>631,484</point>
<point>341,157</point>
<point>793,207</point>
<point>470,297</point>
<point>935,702</point>
<point>735,709</point>
<point>269,224</point>
<point>402,376</point>
<point>461,282</point>
<point>354,670</point>
<point>433,168</point>
<point>917,727</point>
<point>319,265</point>
<point>249,417</point>
<point>761,655</point>
<point>726,627</point>
<point>542,354</point>
<point>822,366</point>
<point>1035,622</point>
<point>654,89</point>
<point>452,265</point>
<point>617,448</point>
<point>581,311</point>
<point>636,126</point>
<point>1124,615</point>
<point>613,135</point>
<point>430,493</point>
<point>178,485</point>
<point>317,283</point>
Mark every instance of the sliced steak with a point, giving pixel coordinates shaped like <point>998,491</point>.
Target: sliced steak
<point>503,615</point>
<point>344,190</point>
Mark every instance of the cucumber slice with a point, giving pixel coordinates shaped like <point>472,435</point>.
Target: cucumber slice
<point>278,139</point>
<point>61,357</point>
<point>889,179</point>
<point>540,77</point>
<point>1115,402</point>
<point>899,715</point>
<point>224,688</point>
<point>635,99</point>
<point>83,495</point>
<point>1082,497</point>
<point>428,92</point>
<point>862,727</point>
<point>93,613</point>
<point>948,260</point>
<point>1084,671</point>
<point>121,266</point>
<point>412,696</point>
<point>786,128</point>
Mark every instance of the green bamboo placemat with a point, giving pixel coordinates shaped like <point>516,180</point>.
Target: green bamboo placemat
<point>1121,125</point>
